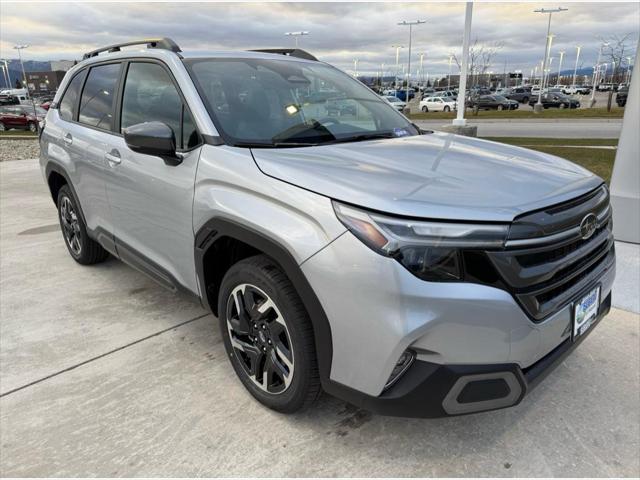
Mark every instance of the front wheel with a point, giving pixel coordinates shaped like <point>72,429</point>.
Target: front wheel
<point>268,335</point>
<point>447,109</point>
<point>525,100</point>
<point>2,127</point>
<point>33,127</point>
<point>425,109</point>
<point>500,107</point>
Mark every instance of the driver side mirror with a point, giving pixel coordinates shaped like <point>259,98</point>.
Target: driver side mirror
<point>153,138</point>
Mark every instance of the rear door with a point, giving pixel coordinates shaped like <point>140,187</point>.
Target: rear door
<point>152,199</point>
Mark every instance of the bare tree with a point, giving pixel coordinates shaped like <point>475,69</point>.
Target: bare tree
<point>613,53</point>
<point>481,56</point>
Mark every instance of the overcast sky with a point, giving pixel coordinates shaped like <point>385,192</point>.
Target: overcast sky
<point>339,32</point>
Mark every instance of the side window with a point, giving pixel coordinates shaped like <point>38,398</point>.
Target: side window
<point>151,96</point>
<point>96,104</point>
<point>70,97</point>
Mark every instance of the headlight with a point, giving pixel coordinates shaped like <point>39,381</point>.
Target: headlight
<point>431,250</point>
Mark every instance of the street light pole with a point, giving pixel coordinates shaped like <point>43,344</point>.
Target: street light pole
<point>296,35</point>
<point>421,70</point>
<point>410,24</point>
<point>355,67</point>
<point>575,69</point>
<point>449,75</point>
<point>5,71</point>
<point>538,106</point>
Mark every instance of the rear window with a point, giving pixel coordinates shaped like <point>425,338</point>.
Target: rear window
<point>96,104</point>
<point>68,102</point>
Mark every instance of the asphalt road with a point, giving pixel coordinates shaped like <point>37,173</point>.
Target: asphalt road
<point>591,128</point>
<point>113,376</point>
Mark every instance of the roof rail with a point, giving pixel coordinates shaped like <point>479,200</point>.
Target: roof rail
<point>290,52</point>
<point>162,43</point>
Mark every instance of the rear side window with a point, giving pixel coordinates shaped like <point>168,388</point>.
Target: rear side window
<point>151,96</point>
<point>96,104</point>
<point>70,98</point>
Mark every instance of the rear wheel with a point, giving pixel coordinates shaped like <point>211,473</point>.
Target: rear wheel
<point>268,335</point>
<point>83,249</point>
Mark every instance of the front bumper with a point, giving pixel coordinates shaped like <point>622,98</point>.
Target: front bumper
<point>377,309</point>
<point>429,390</point>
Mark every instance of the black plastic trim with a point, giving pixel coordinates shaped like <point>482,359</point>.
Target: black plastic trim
<point>217,228</point>
<point>164,43</point>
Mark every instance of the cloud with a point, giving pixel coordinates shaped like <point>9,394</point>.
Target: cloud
<point>340,32</point>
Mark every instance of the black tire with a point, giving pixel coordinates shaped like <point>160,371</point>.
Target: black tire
<point>33,127</point>
<point>500,107</point>
<point>262,272</point>
<point>90,252</point>
<point>446,108</point>
<point>425,109</point>
<point>2,127</point>
<point>525,100</point>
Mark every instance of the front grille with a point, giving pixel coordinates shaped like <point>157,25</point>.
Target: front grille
<point>547,263</point>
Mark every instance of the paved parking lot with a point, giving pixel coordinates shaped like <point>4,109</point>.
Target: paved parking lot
<point>104,373</point>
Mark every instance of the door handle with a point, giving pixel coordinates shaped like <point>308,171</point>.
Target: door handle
<point>113,157</point>
<point>67,139</point>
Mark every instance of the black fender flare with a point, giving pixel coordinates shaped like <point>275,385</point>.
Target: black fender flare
<point>51,167</point>
<point>217,228</point>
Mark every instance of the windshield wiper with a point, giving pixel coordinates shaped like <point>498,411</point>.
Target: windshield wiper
<point>362,137</point>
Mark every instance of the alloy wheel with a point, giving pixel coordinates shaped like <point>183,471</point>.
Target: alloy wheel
<point>260,339</point>
<point>70,226</point>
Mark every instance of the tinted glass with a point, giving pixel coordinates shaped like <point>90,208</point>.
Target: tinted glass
<point>70,97</point>
<point>266,102</point>
<point>150,96</point>
<point>96,104</point>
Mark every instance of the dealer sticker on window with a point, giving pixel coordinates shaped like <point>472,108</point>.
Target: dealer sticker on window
<point>585,312</point>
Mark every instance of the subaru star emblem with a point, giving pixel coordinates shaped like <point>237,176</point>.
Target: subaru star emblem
<point>588,226</point>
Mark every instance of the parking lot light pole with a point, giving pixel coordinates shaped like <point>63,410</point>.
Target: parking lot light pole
<point>596,71</point>
<point>395,79</point>
<point>296,35</point>
<point>550,11</point>
<point>460,121</point>
<point>575,70</point>
<point>5,74</point>
<point>560,67</point>
<point>449,75</point>
<point>24,75</point>
<point>405,23</point>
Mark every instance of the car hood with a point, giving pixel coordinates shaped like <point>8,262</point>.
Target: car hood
<point>437,175</point>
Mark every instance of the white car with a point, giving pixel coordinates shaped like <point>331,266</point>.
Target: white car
<point>535,90</point>
<point>438,104</point>
<point>396,102</point>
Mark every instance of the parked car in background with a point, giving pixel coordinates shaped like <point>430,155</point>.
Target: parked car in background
<point>519,94</point>
<point>438,104</point>
<point>20,117</point>
<point>576,89</point>
<point>402,94</point>
<point>556,100</point>
<point>396,102</point>
<point>605,87</point>
<point>6,99</point>
<point>621,96</point>
<point>493,102</point>
<point>535,90</point>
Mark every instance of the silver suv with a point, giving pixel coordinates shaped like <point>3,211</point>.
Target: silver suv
<point>341,247</point>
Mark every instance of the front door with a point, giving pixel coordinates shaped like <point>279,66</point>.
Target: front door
<point>151,199</point>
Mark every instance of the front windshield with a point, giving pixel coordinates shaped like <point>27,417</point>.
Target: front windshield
<point>265,102</point>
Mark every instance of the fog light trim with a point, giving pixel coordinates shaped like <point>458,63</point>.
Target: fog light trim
<point>402,365</point>
<point>452,406</point>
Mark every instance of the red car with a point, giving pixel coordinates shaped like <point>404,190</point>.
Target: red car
<point>21,117</point>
